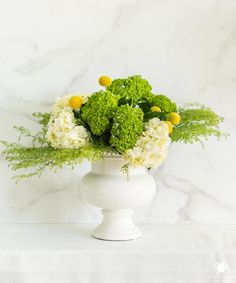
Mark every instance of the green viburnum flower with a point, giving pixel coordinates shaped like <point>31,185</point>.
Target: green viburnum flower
<point>127,127</point>
<point>131,90</point>
<point>163,102</point>
<point>99,110</point>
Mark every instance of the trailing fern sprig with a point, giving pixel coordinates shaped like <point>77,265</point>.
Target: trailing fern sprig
<point>32,161</point>
<point>198,122</point>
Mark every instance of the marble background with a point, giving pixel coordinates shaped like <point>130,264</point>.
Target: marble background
<point>186,49</point>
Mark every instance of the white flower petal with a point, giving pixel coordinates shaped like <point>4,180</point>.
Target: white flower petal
<point>151,148</point>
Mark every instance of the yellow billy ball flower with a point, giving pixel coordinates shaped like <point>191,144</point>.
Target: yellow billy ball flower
<point>174,118</point>
<point>105,81</point>
<point>155,109</point>
<point>75,102</point>
<point>170,126</point>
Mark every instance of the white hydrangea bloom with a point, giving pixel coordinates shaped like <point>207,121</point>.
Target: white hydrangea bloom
<point>151,147</point>
<point>63,132</point>
<point>62,103</point>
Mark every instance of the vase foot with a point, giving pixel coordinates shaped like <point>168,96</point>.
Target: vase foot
<point>117,225</point>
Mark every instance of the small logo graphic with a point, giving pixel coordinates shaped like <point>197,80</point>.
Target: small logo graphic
<point>221,267</point>
<point>220,273</point>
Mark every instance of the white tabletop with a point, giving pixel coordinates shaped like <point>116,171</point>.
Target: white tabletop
<point>65,253</point>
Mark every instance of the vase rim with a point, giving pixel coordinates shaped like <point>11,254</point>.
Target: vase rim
<point>112,156</point>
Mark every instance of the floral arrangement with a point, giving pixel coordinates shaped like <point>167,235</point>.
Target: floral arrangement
<point>125,118</point>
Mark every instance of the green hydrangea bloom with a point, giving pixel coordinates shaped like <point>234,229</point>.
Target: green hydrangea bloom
<point>130,90</point>
<point>99,110</point>
<point>127,126</point>
<point>163,102</point>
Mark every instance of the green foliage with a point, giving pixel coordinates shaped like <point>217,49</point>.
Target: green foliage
<point>102,140</point>
<point>38,139</point>
<point>198,122</point>
<point>99,110</point>
<point>125,170</point>
<point>150,115</point>
<point>130,90</point>
<point>127,126</point>
<point>43,118</point>
<point>163,102</point>
<point>32,161</point>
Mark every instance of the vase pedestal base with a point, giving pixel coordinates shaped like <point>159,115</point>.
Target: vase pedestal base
<point>117,225</point>
<point>106,187</point>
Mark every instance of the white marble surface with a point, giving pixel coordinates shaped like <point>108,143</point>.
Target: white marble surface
<point>48,253</point>
<point>186,49</point>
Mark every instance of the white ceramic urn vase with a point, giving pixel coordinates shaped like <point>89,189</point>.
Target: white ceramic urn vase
<point>105,186</point>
